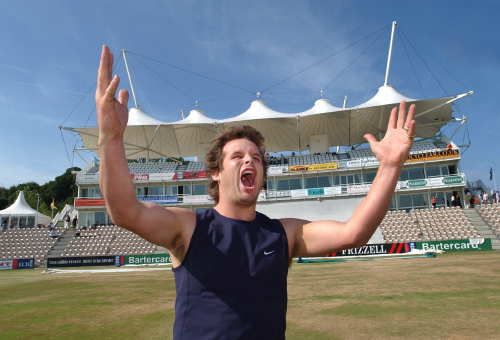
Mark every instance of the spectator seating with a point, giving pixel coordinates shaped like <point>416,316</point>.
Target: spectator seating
<point>195,166</point>
<point>152,167</point>
<point>417,148</point>
<point>318,158</point>
<point>361,154</point>
<point>427,225</point>
<point>423,147</point>
<point>28,243</point>
<point>108,240</point>
<point>491,215</point>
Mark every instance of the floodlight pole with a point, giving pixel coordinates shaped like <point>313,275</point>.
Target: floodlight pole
<point>493,173</point>
<point>389,55</point>
<point>129,78</point>
<point>37,204</point>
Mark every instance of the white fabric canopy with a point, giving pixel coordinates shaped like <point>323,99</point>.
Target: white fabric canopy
<point>148,137</point>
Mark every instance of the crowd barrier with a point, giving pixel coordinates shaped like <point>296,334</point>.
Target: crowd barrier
<point>80,261</point>
<point>454,245</point>
<point>375,249</point>
<point>17,263</point>
<point>144,259</point>
<point>164,258</point>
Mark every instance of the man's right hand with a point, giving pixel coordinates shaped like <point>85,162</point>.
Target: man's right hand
<point>170,227</point>
<point>112,113</point>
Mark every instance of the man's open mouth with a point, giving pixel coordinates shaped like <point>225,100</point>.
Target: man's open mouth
<point>248,179</point>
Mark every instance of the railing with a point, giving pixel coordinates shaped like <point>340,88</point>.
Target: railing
<point>276,170</point>
<point>270,195</point>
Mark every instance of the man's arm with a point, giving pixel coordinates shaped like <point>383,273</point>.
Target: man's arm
<point>159,225</point>
<point>321,237</point>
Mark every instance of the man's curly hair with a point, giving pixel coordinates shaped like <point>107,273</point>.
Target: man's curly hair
<point>215,156</point>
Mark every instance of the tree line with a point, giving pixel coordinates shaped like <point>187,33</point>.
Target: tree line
<point>61,191</point>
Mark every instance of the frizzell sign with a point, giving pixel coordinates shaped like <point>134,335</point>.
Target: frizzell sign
<point>374,249</point>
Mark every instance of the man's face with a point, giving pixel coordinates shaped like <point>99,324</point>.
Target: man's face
<point>242,174</point>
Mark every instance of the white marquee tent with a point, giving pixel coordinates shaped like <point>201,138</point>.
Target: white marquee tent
<point>20,214</point>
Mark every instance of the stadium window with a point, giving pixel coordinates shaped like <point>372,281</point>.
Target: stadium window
<point>324,181</point>
<point>155,191</point>
<point>186,189</point>
<point>405,202</point>
<point>139,191</point>
<point>404,175</point>
<point>100,217</point>
<point>369,177</point>
<point>343,180</point>
<point>171,190</point>
<point>441,201</point>
<point>86,219</point>
<point>282,184</point>
<point>271,184</point>
<point>311,182</point>
<point>295,183</point>
<point>448,198</point>
<point>336,180</point>
<point>416,173</point>
<point>94,192</point>
<point>108,219</point>
<point>357,178</point>
<point>444,170</point>
<point>452,169</point>
<point>433,171</point>
<point>420,201</point>
<point>84,192</point>
<point>393,203</point>
<point>199,189</point>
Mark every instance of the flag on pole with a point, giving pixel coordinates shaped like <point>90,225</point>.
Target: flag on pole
<point>53,205</point>
<point>491,174</point>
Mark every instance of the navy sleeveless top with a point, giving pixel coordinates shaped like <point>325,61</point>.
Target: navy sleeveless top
<point>232,283</point>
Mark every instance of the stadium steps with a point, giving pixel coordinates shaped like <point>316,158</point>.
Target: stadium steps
<point>483,228</point>
<point>58,247</point>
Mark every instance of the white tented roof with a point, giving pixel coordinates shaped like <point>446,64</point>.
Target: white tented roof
<point>195,117</point>
<point>192,134</point>
<point>257,110</point>
<point>138,117</point>
<point>321,105</point>
<point>386,94</point>
<point>148,137</point>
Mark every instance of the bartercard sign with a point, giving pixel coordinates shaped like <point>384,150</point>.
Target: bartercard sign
<point>146,259</point>
<point>455,245</point>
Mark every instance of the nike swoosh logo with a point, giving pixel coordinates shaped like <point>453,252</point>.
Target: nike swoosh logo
<point>269,252</point>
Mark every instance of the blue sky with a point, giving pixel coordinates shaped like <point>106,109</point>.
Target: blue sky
<point>50,52</point>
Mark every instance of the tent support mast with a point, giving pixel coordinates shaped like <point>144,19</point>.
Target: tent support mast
<point>389,55</point>
<point>129,78</point>
<point>298,135</point>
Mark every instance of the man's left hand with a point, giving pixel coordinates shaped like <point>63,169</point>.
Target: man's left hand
<point>393,149</point>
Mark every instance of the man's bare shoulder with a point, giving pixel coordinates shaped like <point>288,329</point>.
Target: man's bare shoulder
<point>291,224</point>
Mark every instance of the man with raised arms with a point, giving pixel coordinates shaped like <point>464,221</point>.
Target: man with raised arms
<point>231,262</point>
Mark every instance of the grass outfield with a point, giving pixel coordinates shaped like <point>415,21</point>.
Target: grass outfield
<point>452,296</point>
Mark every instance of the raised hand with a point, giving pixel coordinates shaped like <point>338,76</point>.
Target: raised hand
<point>393,149</point>
<point>112,113</point>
